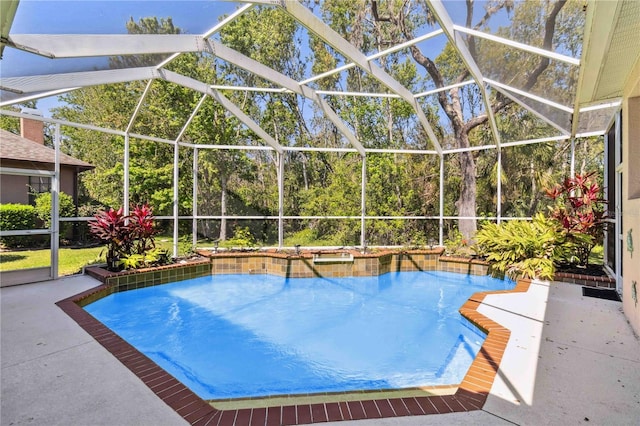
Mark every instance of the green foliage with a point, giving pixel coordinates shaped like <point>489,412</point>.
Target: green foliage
<point>153,257</point>
<point>308,237</point>
<point>43,209</point>
<point>241,238</point>
<point>522,248</point>
<point>14,217</point>
<point>132,261</point>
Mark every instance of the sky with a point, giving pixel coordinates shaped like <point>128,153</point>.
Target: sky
<point>96,17</point>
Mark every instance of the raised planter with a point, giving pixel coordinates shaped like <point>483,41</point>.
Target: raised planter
<point>586,280</point>
<point>138,278</point>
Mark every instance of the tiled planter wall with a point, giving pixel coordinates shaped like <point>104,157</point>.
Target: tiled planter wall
<point>303,266</point>
<point>463,265</point>
<point>128,280</point>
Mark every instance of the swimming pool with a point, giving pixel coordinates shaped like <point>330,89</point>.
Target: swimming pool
<point>233,336</point>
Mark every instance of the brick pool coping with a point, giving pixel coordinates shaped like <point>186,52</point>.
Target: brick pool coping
<point>470,395</point>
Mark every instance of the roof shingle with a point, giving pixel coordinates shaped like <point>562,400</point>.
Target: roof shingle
<point>17,148</point>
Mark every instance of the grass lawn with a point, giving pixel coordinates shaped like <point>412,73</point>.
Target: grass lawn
<point>71,260</point>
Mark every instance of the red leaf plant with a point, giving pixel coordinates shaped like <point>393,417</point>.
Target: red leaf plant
<point>124,235</point>
<point>580,210</point>
<point>142,229</point>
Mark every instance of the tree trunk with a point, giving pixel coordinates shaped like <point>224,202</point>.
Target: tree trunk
<point>467,199</point>
<point>305,176</point>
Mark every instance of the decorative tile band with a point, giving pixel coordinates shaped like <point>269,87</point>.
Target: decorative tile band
<point>139,278</point>
<point>470,395</point>
<point>305,265</point>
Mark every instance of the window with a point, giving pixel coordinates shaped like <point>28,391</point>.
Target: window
<point>38,185</point>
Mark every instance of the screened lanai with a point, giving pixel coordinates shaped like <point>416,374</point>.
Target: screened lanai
<point>291,85</point>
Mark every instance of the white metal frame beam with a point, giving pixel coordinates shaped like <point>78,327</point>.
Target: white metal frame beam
<point>201,87</point>
<point>238,59</point>
<point>49,82</point>
<point>521,46</point>
<point>88,45</point>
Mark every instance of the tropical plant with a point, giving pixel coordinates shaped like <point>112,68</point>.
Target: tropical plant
<point>579,208</point>
<point>523,248</point>
<point>111,227</point>
<point>130,242</point>
<point>142,229</point>
<point>153,257</point>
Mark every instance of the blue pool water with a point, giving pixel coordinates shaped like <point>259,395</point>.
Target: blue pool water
<point>232,336</point>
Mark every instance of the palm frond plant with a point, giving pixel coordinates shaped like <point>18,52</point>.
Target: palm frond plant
<point>521,248</point>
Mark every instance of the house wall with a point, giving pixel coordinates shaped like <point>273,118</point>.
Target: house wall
<point>15,189</point>
<point>631,197</point>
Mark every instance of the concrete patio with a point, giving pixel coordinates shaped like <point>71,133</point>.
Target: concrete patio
<point>570,359</point>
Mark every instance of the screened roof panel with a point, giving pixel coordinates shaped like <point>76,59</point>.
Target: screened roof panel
<point>459,13</point>
<point>540,76</point>
<point>558,118</point>
<point>60,45</point>
<point>596,120</point>
<point>110,17</point>
<point>517,123</point>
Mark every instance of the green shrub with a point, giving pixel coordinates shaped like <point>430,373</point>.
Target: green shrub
<point>43,210</point>
<point>14,217</point>
<point>521,248</point>
<point>241,238</point>
<point>457,245</point>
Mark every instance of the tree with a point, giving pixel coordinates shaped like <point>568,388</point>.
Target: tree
<point>444,70</point>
